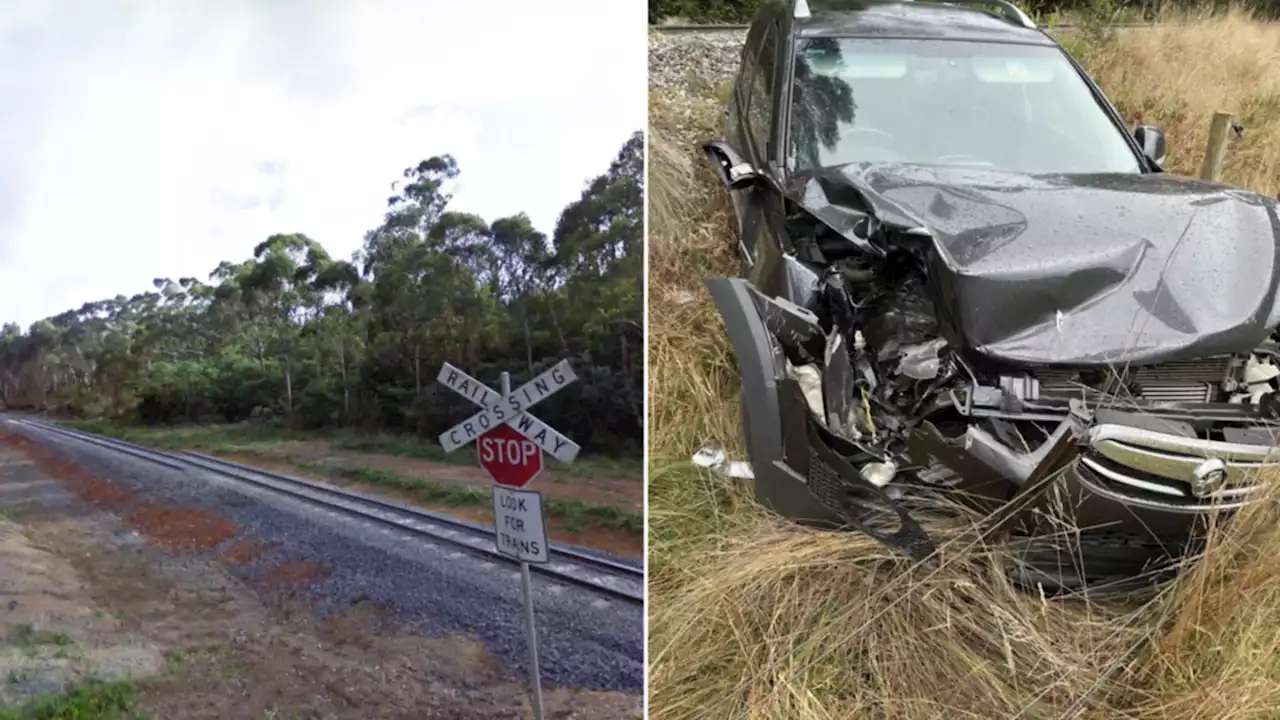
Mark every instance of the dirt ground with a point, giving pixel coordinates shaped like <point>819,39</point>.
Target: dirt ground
<point>284,458</point>
<point>78,601</point>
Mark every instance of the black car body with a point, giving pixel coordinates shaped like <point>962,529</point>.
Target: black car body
<point>964,275</point>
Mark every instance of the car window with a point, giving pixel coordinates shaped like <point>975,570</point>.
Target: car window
<point>759,102</point>
<point>746,68</point>
<point>1018,108</point>
<point>738,99</point>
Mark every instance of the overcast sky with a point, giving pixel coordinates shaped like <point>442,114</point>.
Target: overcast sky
<point>156,138</point>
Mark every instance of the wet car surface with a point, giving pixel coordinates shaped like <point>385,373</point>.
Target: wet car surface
<point>965,277</point>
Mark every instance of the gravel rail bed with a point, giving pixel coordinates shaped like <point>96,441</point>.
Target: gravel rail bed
<point>708,58</point>
<point>583,640</point>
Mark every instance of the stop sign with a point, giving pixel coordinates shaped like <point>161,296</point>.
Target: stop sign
<point>509,457</point>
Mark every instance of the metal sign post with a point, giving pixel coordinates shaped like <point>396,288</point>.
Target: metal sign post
<point>526,589</point>
<point>510,443</point>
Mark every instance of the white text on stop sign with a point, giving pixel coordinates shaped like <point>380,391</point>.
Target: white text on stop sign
<point>508,451</point>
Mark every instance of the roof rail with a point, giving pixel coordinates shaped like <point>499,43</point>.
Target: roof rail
<point>1008,10</point>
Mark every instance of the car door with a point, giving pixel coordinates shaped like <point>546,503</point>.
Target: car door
<point>750,120</point>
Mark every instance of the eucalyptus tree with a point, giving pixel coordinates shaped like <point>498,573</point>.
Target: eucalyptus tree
<point>293,332</point>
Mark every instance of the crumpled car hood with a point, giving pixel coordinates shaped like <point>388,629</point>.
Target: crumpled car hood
<point>1081,270</point>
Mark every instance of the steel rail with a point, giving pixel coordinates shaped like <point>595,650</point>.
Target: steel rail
<point>560,550</point>
<point>400,517</point>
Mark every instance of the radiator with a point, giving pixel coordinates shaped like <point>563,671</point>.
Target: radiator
<point>1186,381</point>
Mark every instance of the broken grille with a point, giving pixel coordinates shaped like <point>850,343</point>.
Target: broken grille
<point>1158,468</point>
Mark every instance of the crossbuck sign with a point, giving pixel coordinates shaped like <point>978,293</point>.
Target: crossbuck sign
<point>512,410</point>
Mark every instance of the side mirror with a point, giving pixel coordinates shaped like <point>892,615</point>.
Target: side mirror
<point>733,169</point>
<point>1151,139</point>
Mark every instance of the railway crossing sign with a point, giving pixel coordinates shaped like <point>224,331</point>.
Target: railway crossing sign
<point>510,443</point>
<point>510,409</point>
<point>510,458</point>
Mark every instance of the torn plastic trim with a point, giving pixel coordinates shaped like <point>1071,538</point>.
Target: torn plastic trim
<point>862,504</point>
<point>978,456</point>
<point>829,480</point>
<point>1017,467</point>
<point>837,382</point>
<point>793,326</point>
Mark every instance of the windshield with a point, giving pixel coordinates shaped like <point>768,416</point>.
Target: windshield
<point>1017,108</point>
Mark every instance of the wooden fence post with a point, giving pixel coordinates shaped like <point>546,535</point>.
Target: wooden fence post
<point>1216,151</point>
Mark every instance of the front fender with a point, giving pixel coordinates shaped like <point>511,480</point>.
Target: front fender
<point>797,473</point>
<point>778,486</point>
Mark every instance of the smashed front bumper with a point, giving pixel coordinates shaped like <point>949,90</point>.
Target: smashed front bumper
<point>1129,472</point>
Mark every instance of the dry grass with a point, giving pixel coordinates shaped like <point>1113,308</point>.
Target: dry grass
<point>1177,75</point>
<point>751,617</point>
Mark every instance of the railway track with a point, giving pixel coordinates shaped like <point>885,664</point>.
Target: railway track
<point>568,565</point>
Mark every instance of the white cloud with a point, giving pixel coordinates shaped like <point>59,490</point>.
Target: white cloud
<point>151,138</point>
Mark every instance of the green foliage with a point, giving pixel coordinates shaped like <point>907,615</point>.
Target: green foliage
<point>703,11</point>
<point>425,490</point>
<point>575,514</point>
<point>260,438</point>
<point>88,700</point>
<point>25,635</point>
<point>296,336</point>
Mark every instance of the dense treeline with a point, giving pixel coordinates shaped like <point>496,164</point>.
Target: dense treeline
<point>741,11</point>
<point>310,340</point>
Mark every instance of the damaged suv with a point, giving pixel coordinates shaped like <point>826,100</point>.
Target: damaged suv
<point>964,277</point>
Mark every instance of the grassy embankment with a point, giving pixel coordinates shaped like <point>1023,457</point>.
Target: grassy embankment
<point>266,441</point>
<point>754,617</point>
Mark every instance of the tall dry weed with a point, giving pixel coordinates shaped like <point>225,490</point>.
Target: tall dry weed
<point>1177,75</point>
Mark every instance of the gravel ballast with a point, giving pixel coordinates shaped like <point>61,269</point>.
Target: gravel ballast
<point>678,60</point>
<point>584,640</point>
<point>688,78</point>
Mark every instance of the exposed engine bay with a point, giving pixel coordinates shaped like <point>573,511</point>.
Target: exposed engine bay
<point>875,363</point>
